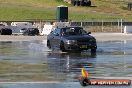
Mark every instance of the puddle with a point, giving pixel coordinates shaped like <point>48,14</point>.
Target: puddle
<point>33,61</point>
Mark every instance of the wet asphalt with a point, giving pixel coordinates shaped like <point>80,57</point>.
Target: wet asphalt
<point>30,64</point>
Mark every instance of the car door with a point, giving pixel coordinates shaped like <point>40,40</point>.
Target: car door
<point>50,37</point>
<point>57,36</point>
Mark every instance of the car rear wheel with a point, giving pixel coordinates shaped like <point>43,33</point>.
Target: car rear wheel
<point>48,44</point>
<point>62,47</point>
<point>93,51</point>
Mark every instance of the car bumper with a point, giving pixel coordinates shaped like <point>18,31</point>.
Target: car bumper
<point>80,47</point>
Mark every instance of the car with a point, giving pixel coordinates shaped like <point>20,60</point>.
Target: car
<point>5,31</point>
<point>30,31</point>
<point>71,39</point>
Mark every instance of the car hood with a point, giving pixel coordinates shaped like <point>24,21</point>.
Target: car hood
<point>80,37</point>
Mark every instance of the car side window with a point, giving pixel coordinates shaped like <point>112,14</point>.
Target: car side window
<point>56,32</point>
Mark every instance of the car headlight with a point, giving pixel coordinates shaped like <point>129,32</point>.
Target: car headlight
<point>71,41</point>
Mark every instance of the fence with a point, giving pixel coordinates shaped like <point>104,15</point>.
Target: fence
<point>93,25</point>
<point>103,25</point>
<point>97,25</point>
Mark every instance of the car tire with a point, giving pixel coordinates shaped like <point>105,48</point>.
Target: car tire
<point>93,51</point>
<point>48,44</point>
<point>62,47</point>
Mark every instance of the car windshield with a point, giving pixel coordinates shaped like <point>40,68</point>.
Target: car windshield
<point>74,31</point>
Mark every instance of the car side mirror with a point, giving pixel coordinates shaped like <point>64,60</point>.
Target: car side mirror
<point>89,32</point>
<point>51,32</point>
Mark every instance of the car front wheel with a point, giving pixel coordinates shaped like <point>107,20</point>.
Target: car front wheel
<point>62,47</point>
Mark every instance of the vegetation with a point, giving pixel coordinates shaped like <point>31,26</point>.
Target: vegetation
<point>46,9</point>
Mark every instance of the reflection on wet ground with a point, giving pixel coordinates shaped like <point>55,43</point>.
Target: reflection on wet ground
<point>55,85</point>
<point>33,61</point>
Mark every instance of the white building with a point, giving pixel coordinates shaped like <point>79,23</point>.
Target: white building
<point>48,27</point>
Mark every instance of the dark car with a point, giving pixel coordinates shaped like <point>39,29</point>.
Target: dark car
<point>5,31</point>
<point>71,39</point>
<point>30,31</point>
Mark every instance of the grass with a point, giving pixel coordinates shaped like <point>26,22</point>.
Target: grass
<point>18,10</point>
